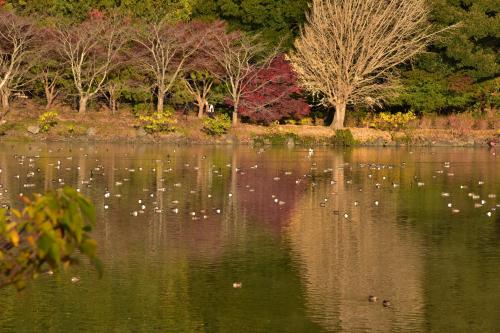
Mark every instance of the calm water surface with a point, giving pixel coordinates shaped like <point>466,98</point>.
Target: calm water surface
<point>309,238</point>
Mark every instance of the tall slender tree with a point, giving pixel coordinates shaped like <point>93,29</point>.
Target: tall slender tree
<point>17,45</point>
<point>202,69</point>
<point>49,67</point>
<point>91,50</point>
<point>241,58</point>
<point>164,49</point>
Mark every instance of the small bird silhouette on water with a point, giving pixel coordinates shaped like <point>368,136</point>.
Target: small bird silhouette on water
<point>386,303</point>
<point>372,299</point>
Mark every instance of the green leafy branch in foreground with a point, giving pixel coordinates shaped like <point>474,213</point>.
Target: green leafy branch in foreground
<point>45,235</point>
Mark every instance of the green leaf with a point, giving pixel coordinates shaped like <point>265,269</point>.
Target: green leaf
<point>44,243</point>
<point>55,254</point>
<point>89,247</point>
<point>97,265</point>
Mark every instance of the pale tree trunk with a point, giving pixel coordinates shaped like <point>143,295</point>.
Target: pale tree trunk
<point>338,118</point>
<point>113,98</point>
<point>83,104</point>
<point>5,101</point>
<point>235,115</point>
<point>50,97</point>
<point>235,118</point>
<point>50,87</point>
<point>112,105</point>
<point>161,101</point>
<point>201,106</point>
<point>49,103</point>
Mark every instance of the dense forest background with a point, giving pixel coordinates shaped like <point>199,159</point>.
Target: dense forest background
<point>459,73</point>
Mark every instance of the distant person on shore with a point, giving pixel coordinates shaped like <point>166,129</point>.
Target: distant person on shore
<point>211,111</point>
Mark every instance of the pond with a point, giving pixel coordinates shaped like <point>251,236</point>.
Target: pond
<point>242,239</point>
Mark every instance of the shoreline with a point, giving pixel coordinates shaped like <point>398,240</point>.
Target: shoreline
<point>103,127</point>
<point>277,136</point>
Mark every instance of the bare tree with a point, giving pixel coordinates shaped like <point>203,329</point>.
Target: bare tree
<point>91,50</point>
<point>17,42</point>
<point>199,84</point>
<point>50,79</point>
<point>118,80</point>
<point>349,49</point>
<point>113,91</point>
<point>202,69</point>
<point>165,48</point>
<point>240,57</point>
<point>49,67</point>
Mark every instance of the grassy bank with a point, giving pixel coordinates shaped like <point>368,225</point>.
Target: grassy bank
<point>24,125</point>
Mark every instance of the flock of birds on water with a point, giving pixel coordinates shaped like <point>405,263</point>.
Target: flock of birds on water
<point>148,201</point>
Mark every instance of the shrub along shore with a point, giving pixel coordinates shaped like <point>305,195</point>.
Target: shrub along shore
<point>453,130</point>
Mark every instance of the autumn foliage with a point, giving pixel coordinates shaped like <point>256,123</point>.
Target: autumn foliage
<point>273,94</point>
<point>50,233</point>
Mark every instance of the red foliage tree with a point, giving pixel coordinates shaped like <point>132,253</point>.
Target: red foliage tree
<point>273,94</point>
<point>95,14</point>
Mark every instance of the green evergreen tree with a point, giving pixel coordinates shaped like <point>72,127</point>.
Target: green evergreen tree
<point>459,72</point>
<point>275,19</point>
<point>79,10</point>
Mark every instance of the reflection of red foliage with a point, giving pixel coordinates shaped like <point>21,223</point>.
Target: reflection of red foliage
<point>2,2</point>
<point>259,205</point>
<point>273,94</point>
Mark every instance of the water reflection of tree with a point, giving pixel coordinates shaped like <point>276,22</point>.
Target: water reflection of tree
<point>261,189</point>
<point>271,297</point>
<point>345,261</point>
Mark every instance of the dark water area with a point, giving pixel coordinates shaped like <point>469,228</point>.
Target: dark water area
<point>308,236</point>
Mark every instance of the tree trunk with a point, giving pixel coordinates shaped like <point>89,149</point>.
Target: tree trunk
<point>235,116</point>
<point>201,106</point>
<point>49,96</point>
<point>83,104</point>
<point>113,105</point>
<point>5,101</point>
<point>113,98</point>
<point>49,103</point>
<point>50,90</point>
<point>338,118</point>
<point>161,101</point>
